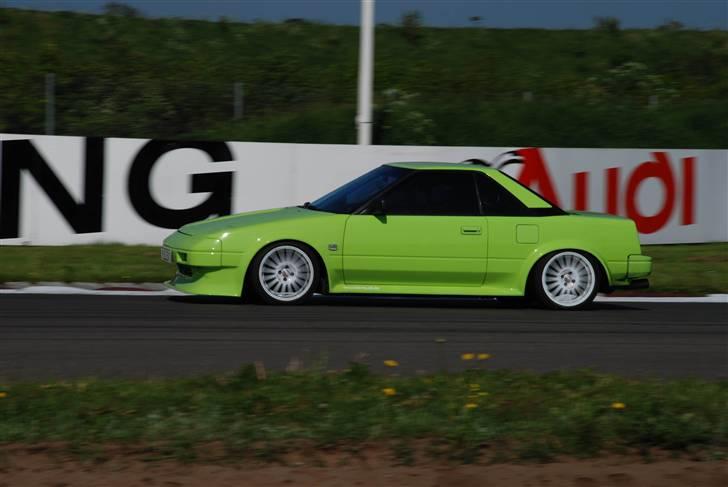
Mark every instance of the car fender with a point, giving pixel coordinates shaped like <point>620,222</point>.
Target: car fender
<point>241,248</point>
<point>553,246</point>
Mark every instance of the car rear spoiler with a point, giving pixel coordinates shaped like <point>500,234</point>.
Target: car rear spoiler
<point>500,161</point>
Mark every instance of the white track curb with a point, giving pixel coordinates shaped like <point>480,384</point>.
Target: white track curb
<point>156,289</point>
<point>97,292</point>
<point>710,298</point>
<point>89,288</point>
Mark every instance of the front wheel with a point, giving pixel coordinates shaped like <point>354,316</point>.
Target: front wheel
<point>284,273</point>
<point>565,280</point>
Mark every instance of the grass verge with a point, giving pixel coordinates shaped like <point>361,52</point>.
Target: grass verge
<point>683,269</point>
<point>83,263</point>
<point>514,415</point>
<point>689,268</point>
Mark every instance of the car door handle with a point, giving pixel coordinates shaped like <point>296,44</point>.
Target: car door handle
<point>465,230</point>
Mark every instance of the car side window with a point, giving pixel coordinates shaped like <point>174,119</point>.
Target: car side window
<point>497,200</point>
<point>434,192</point>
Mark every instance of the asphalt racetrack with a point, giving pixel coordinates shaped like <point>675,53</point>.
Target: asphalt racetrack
<point>68,336</point>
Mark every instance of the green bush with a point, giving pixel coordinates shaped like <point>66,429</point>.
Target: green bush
<point>126,76</point>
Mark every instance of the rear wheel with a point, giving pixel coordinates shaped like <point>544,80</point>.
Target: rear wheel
<point>566,280</point>
<point>284,273</point>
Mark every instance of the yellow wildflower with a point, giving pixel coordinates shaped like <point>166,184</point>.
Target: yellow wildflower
<point>3,395</point>
<point>483,356</point>
<point>471,405</point>
<point>467,356</point>
<point>618,405</point>
<point>474,387</point>
<point>391,363</point>
<point>389,391</point>
<point>483,394</point>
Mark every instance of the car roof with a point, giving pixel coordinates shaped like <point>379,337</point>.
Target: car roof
<point>441,166</point>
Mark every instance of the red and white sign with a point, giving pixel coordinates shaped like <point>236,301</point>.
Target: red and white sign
<point>656,193</point>
<point>72,190</point>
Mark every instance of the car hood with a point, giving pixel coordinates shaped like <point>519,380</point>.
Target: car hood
<point>217,226</point>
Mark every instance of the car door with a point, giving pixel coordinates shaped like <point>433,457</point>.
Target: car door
<point>427,231</point>
<point>515,231</point>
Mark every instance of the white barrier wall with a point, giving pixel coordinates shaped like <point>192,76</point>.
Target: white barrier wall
<point>71,190</point>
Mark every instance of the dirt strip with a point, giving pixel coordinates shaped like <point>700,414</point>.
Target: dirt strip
<point>44,468</point>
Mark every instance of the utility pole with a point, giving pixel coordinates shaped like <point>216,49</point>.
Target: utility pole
<point>366,75</point>
<point>237,100</point>
<point>50,104</point>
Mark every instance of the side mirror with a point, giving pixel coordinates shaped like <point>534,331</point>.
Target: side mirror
<point>378,208</point>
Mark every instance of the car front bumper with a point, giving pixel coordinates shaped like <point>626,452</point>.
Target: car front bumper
<point>202,266</point>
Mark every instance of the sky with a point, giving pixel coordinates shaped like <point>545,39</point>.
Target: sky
<point>557,14</point>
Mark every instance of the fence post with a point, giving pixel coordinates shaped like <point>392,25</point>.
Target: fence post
<point>50,103</point>
<point>237,100</point>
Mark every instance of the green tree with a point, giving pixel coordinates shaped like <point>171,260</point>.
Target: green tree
<point>412,26</point>
<point>121,10</point>
<point>607,24</point>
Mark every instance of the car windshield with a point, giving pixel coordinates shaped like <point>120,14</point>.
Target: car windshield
<point>351,196</point>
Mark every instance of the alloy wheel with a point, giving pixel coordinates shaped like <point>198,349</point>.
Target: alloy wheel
<point>285,273</point>
<point>568,279</point>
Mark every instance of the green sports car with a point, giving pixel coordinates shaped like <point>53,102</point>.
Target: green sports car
<point>413,229</point>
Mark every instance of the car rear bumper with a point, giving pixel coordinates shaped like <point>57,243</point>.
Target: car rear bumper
<point>638,266</point>
<point>631,274</point>
<point>632,285</point>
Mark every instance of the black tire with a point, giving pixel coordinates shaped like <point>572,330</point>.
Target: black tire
<point>585,270</point>
<point>302,265</point>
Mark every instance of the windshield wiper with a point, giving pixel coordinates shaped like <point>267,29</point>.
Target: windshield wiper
<point>307,205</point>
